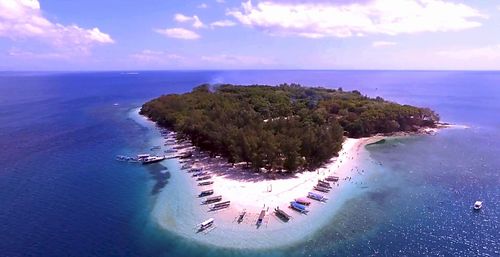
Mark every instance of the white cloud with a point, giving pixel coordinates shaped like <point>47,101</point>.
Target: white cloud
<point>19,53</point>
<point>469,54</point>
<point>383,43</point>
<point>156,57</point>
<point>178,33</point>
<point>327,19</point>
<point>23,19</point>
<point>222,23</point>
<point>196,22</point>
<point>202,6</point>
<point>220,1</point>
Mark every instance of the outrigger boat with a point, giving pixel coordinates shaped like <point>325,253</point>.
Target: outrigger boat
<point>317,197</point>
<point>221,205</point>
<point>152,159</point>
<point>195,170</point>
<point>204,178</point>
<point>324,184</point>
<point>205,224</point>
<point>298,207</point>
<point>261,218</point>
<point>242,215</point>
<point>332,178</point>
<point>206,192</point>
<point>205,183</point>
<point>321,189</point>
<point>282,214</point>
<point>200,173</point>
<point>303,201</point>
<point>141,157</point>
<point>213,199</point>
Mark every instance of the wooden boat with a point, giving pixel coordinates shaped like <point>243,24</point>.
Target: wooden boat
<point>242,215</point>
<point>195,169</point>
<point>321,189</point>
<point>186,155</point>
<point>298,207</point>
<point>152,159</point>
<point>197,174</point>
<point>261,218</point>
<point>282,214</point>
<point>206,192</point>
<point>332,178</point>
<point>221,205</point>
<point>205,183</point>
<point>324,184</point>
<point>303,201</point>
<point>205,224</point>
<point>317,197</point>
<point>212,199</point>
<point>204,178</point>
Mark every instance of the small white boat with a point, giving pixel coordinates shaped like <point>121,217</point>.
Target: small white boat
<point>205,224</point>
<point>141,157</point>
<point>478,205</point>
<point>152,159</point>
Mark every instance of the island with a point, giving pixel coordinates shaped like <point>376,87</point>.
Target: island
<point>280,128</point>
<point>257,166</point>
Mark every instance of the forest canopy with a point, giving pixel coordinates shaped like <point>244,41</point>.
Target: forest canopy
<point>280,128</point>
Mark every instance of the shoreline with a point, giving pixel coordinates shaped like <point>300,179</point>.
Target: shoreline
<point>253,192</point>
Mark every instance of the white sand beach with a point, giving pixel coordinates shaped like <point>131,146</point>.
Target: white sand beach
<point>253,191</point>
<point>178,207</point>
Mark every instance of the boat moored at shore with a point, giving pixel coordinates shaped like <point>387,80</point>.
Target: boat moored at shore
<point>298,207</point>
<point>317,197</point>
<point>152,159</point>
<point>282,214</point>
<point>205,224</point>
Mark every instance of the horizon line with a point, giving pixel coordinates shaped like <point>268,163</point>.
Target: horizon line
<point>250,69</point>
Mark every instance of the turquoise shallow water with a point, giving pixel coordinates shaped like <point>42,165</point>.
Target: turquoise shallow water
<point>62,193</point>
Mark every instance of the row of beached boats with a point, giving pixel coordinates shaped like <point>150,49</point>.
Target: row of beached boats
<point>300,204</point>
<point>203,178</point>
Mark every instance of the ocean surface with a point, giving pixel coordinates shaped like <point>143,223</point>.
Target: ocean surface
<point>63,194</point>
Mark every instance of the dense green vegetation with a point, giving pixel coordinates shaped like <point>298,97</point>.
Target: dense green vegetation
<point>287,127</point>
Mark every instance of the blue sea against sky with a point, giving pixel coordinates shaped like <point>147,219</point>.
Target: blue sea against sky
<point>63,194</point>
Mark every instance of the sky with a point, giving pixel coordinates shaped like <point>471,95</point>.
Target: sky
<point>269,34</point>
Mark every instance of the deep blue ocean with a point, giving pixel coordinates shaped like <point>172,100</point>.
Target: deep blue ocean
<point>63,194</point>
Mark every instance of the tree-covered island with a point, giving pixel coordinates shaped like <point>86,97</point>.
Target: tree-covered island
<point>285,127</point>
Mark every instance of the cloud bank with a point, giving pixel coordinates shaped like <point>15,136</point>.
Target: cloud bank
<point>346,19</point>
<point>23,19</point>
